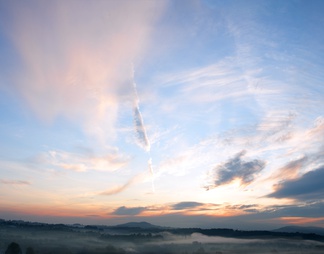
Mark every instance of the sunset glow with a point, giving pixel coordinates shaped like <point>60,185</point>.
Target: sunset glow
<point>199,113</point>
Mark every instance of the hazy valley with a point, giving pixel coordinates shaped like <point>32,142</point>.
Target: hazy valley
<point>40,238</point>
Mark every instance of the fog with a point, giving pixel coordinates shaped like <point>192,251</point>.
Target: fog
<point>198,243</point>
<point>60,239</point>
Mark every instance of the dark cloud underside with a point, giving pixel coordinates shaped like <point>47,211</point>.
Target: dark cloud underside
<point>236,168</point>
<point>185,205</point>
<point>123,210</point>
<point>310,186</point>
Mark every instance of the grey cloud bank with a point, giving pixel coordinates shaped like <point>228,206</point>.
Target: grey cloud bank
<point>123,210</point>
<point>308,187</point>
<point>185,205</point>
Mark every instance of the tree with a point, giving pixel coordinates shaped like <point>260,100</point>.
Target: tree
<point>13,248</point>
<point>30,250</point>
<point>201,250</point>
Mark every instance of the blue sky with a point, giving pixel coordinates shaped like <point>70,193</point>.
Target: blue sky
<point>185,113</point>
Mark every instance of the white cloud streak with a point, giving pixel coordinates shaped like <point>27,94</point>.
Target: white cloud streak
<point>150,166</point>
<point>82,163</point>
<point>14,182</point>
<point>140,130</point>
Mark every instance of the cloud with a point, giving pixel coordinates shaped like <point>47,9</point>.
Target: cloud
<point>123,210</point>
<point>185,205</point>
<point>313,209</point>
<point>14,182</point>
<point>220,81</point>
<point>306,188</point>
<point>118,189</point>
<point>76,55</point>
<point>81,163</point>
<point>276,126</point>
<point>236,168</point>
<point>140,129</point>
<point>291,169</point>
<point>243,207</point>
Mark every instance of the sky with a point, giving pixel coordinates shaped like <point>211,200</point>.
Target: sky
<point>179,113</point>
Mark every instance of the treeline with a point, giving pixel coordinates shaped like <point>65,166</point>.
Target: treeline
<point>35,225</point>
<point>138,233</point>
<point>14,248</point>
<point>254,234</point>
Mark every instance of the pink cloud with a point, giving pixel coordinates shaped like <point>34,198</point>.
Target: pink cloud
<point>76,57</point>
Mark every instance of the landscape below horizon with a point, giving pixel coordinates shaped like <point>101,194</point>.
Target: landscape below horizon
<point>193,115</point>
<point>145,238</point>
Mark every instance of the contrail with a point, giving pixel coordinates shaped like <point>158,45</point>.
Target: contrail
<point>151,172</point>
<point>140,130</point>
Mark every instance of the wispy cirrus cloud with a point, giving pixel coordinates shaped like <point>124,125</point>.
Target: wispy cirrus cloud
<point>291,170</point>
<point>117,189</point>
<point>14,182</point>
<point>82,162</point>
<point>123,187</point>
<point>220,81</point>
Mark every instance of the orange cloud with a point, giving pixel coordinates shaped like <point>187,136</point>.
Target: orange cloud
<point>82,163</point>
<point>302,220</point>
<point>59,210</point>
<point>289,171</point>
<point>120,188</point>
<point>14,182</point>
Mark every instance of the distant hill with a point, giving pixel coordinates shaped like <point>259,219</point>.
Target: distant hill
<point>134,231</point>
<point>305,230</point>
<point>143,224</point>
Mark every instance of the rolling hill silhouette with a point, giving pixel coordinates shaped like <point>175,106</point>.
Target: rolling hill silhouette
<point>299,229</point>
<point>143,225</point>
